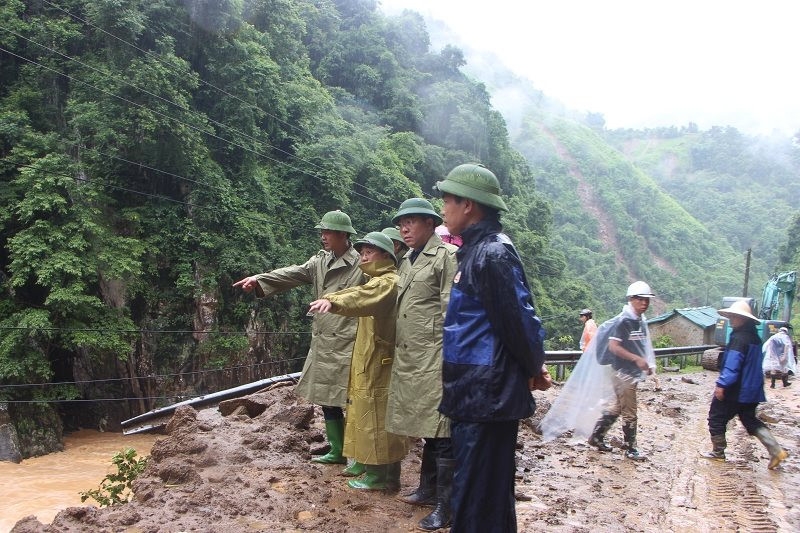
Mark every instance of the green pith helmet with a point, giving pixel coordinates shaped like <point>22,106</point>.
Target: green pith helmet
<point>393,233</point>
<point>476,182</point>
<point>378,240</point>
<point>336,221</point>
<point>417,206</point>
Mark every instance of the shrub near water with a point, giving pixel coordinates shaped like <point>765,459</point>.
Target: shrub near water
<point>116,487</point>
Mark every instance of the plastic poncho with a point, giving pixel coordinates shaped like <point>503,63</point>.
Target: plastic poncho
<point>779,354</point>
<point>589,390</point>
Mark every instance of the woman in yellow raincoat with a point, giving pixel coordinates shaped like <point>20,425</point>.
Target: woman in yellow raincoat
<point>365,437</point>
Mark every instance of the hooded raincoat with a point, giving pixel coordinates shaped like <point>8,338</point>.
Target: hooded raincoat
<point>779,354</point>
<point>423,294</point>
<point>326,371</point>
<point>374,303</point>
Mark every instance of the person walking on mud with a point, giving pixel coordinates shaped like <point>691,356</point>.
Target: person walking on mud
<point>326,371</point>
<point>632,358</point>
<point>366,440</point>
<point>740,387</point>
<point>779,357</point>
<point>426,275</point>
<point>493,351</point>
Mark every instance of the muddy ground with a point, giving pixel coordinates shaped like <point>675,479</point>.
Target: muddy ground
<point>245,467</point>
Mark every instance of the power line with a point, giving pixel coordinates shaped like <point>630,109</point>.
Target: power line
<point>203,116</point>
<point>190,126</point>
<point>151,376</point>
<point>149,195</point>
<point>153,331</point>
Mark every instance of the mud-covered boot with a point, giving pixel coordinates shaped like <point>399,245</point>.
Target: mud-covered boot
<point>785,379</point>
<point>374,478</point>
<point>629,431</point>
<point>440,516</point>
<point>599,433</point>
<point>773,377</point>
<point>776,452</point>
<point>353,469</point>
<point>425,493</point>
<point>718,445</point>
<point>334,429</point>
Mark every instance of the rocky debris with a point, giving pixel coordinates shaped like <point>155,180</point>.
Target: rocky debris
<point>249,470</point>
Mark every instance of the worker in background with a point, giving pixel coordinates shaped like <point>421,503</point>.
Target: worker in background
<point>493,351</point>
<point>633,359</point>
<point>779,357</point>
<point>589,328</point>
<point>426,275</point>
<point>400,247</point>
<point>374,303</point>
<point>740,387</point>
<point>326,371</point>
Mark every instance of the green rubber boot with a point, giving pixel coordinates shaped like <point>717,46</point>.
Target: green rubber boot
<point>373,479</point>
<point>354,469</point>
<point>335,431</point>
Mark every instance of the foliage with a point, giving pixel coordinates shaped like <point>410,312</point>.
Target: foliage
<point>663,341</point>
<point>115,488</point>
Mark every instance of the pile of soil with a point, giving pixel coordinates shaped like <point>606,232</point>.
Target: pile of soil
<point>245,467</point>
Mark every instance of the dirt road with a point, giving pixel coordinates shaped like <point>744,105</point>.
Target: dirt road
<point>249,471</point>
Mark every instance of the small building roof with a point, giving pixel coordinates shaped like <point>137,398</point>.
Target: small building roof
<point>704,317</point>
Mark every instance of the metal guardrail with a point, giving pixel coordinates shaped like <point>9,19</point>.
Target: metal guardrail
<point>562,359</point>
<point>157,418</point>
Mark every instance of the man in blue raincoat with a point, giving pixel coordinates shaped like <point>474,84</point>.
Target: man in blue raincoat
<point>493,353</point>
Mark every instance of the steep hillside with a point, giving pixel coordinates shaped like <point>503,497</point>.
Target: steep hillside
<point>744,187</point>
<point>617,225</point>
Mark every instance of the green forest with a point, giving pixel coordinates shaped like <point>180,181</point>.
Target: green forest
<point>154,152</point>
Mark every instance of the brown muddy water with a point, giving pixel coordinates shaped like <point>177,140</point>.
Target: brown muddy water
<point>42,486</point>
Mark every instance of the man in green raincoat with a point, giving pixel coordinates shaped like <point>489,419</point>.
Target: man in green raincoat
<point>374,303</point>
<point>426,275</point>
<point>326,371</point>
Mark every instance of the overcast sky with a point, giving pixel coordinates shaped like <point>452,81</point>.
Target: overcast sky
<point>645,62</point>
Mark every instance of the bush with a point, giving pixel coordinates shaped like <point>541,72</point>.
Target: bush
<point>116,488</point>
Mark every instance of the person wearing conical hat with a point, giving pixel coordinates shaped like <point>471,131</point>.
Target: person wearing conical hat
<point>326,371</point>
<point>740,387</point>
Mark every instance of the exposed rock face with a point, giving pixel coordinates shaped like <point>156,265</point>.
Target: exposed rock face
<point>9,444</point>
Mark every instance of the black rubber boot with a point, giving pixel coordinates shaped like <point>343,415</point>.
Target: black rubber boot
<point>718,445</point>
<point>393,477</point>
<point>425,494</point>
<point>440,516</point>
<point>785,379</point>
<point>629,431</point>
<point>772,385</point>
<point>599,433</point>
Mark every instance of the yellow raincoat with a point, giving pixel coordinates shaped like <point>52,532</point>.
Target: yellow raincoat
<point>423,293</point>
<point>326,371</point>
<point>374,302</point>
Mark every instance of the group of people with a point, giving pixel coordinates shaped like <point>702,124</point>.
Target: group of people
<point>416,337</point>
<point>738,390</point>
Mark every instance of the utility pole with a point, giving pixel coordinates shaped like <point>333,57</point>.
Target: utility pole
<point>747,272</point>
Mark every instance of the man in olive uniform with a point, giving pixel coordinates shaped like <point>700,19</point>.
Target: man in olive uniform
<point>415,391</point>
<point>400,247</point>
<point>326,371</point>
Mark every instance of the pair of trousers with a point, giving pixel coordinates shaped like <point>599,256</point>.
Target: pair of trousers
<point>483,481</point>
<point>722,411</point>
